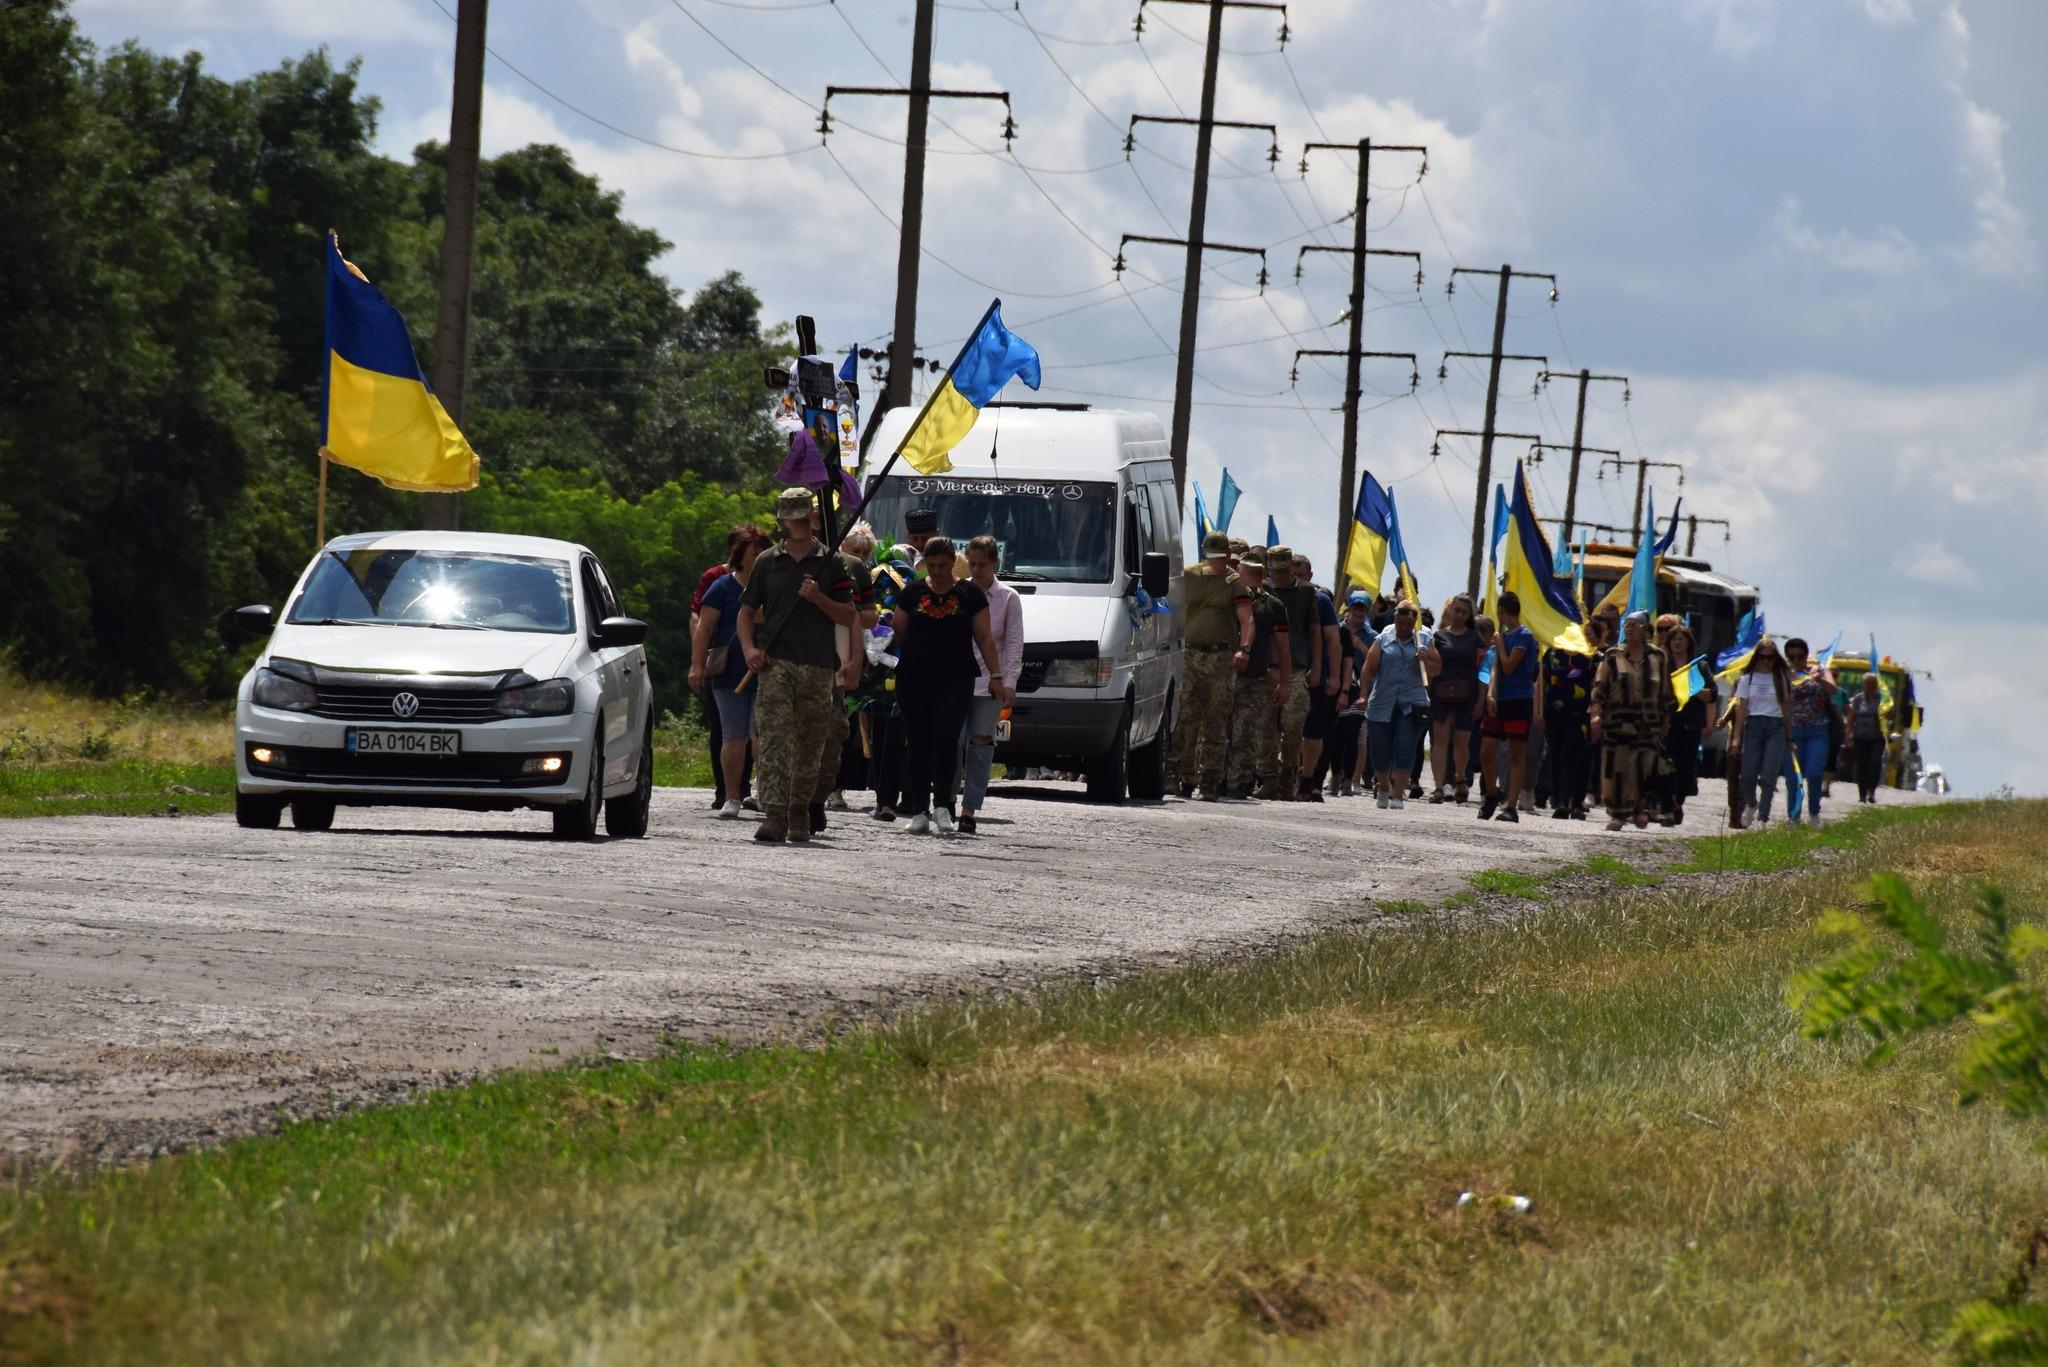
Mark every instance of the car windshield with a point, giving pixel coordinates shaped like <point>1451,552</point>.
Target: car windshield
<point>474,590</point>
<point>1052,531</point>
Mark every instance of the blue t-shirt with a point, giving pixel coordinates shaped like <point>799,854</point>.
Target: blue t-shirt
<point>724,597</point>
<point>1326,611</point>
<point>1521,683</point>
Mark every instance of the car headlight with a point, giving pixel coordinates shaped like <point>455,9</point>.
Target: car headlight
<point>275,688</point>
<point>550,699</point>
<point>1092,673</point>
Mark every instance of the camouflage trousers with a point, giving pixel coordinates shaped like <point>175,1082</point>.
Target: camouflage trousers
<point>1293,716</point>
<point>1254,731</point>
<point>832,745</point>
<point>792,716</point>
<point>1202,729</point>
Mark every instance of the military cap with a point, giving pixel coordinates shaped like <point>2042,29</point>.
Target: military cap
<point>1279,553</point>
<point>1215,544</point>
<point>792,502</point>
<point>1254,556</point>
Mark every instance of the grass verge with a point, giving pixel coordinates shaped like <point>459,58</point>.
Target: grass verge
<point>121,787</point>
<point>1257,1158</point>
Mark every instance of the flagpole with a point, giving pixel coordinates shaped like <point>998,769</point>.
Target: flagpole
<point>875,480</point>
<point>320,505</point>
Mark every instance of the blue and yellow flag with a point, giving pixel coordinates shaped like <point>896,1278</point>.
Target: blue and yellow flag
<point>1748,633</point>
<point>380,415</point>
<point>1226,502</point>
<point>992,357</point>
<point>1670,537</point>
<point>1642,576</point>
<point>1547,608</point>
<point>1489,599</point>
<point>1201,514</point>
<point>1372,531</point>
<point>1397,551</point>
<point>1690,681</point>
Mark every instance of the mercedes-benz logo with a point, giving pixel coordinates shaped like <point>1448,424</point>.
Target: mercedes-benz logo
<point>405,704</point>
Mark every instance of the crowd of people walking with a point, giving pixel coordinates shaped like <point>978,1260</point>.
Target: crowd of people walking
<point>1283,697</point>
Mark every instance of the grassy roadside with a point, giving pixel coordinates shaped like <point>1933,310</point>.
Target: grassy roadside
<point>1249,1159</point>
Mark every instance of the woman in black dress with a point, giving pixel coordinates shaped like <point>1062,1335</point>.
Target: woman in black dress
<point>939,622</point>
<point>1682,741</point>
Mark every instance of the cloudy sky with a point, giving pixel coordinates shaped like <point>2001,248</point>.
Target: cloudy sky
<point>1809,231</point>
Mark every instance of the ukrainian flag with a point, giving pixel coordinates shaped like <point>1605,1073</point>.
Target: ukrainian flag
<point>1547,608</point>
<point>992,356</point>
<point>1397,551</point>
<point>1372,531</point>
<point>1689,681</point>
<point>381,417</point>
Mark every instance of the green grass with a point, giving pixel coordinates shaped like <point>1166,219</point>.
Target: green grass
<point>1254,1158</point>
<point>122,787</point>
<point>1781,846</point>
<point>1616,871</point>
<point>1506,883</point>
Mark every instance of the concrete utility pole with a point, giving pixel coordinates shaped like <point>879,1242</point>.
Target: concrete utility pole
<point>1481,530</point>
<point>1347,497</point>
<point>1692,530</point>
<point>1500,327</point>
<point>910,239</point>
<point>1579,447</point>
<point>443,512</point>
<point>1642,478</point>
<point>1198,217</point>
<point>1571,494</point>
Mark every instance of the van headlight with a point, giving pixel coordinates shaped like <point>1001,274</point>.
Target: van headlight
<point>550,699</point>
<point>276,688</point>
<point>1090,673</point>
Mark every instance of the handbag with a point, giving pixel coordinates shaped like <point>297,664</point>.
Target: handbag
<point>716,659</point>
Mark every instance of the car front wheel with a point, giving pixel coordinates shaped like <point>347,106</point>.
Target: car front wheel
<point>578,820</point>
<point>625,818</point>
<point>258,811</point>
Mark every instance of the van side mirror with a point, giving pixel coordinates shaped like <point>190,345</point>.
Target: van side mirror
<point>1155,573</point>
<point>614,632</point>
<point>254,620</point>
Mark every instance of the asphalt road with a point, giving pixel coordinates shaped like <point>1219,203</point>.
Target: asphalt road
<point>171,980</point>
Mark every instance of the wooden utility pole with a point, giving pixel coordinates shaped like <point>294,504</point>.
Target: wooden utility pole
<point>1500,328</point>
<point>1347,496</point>
<point>910,236</point>
<point>1198,217</point>
<point>1579,447</point>
<point>1692,530</point>
<point>1642,478</point>
<point>443,512</point>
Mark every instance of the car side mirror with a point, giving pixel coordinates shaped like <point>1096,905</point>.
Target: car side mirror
<point>614,632</point>
<point>1155,574</point>
<point>254,620</point>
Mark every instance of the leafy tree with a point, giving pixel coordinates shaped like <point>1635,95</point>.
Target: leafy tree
<point>1889,997</point>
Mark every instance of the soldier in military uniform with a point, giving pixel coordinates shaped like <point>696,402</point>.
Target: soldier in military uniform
<point>789,633</point>
<point>1216,635</point>
<point>1261,688</point>
<point>854,548</point>
<point>1305,651</point>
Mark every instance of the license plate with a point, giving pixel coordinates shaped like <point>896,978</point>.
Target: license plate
<point>363,740</point>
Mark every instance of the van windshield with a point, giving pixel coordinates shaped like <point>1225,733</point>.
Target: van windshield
<point>1050,531</point>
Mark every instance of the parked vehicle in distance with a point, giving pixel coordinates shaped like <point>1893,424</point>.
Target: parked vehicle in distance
<point>1082,503</point>
<point>448,669</point>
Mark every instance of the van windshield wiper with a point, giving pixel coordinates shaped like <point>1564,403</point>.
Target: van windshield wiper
<point>1026,577</point>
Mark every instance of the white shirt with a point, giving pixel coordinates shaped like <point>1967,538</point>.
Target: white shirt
<point>1759,694</point>
<point>1006,624</point>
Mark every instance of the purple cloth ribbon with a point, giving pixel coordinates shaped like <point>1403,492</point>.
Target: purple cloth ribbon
<point>805,465</point>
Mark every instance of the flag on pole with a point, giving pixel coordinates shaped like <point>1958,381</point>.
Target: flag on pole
<point>1642,588</point>
<point>1202,527</point>
<point>991,357</point>
<point>1827,657</point>
<point>378,413</point>
<point>1272,531</point>
<point>1670,537</point>
<point>1525,567</point>
<point>1749,632</point>
<point>1489,598</point>
<point>1372,531</point>
<point>1226,502</point>
<point>1397,551</point>
<point>1690,681</point>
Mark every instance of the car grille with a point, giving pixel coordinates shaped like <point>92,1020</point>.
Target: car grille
<point>358,702</point>
<point>317,764</point>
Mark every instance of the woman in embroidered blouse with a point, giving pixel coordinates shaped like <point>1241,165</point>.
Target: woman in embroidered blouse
<point>1632,705</point>
<point>939,623</point>
<point>1398,696</point>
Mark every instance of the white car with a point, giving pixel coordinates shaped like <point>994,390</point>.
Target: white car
<point>448,669</point>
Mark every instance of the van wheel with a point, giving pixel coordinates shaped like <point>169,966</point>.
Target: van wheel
<point>1108,773</point>
<point>1148,761</point>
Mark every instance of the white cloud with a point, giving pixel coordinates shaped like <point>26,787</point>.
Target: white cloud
<point>2001,245</point>
<point>1930,562</point>
<point>1887,252</point>
<point>359,23</point>
<point>1740,26</point>
<point>1888,13</point>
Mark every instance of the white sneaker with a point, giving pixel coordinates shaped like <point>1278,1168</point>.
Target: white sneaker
<point>942,821</point>
<point>1395,803</point>
<point>1382,801</point>
<point>1794,821</point>
<point>730,811</point>
<point>920,823</point>
<point>1815,818</point>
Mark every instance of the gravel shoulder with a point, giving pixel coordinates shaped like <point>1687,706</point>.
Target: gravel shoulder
<point>173,981</point>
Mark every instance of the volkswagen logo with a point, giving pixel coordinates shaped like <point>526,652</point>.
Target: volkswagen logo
<point>405,704</point>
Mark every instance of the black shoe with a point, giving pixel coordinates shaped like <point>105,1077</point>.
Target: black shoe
<point>1487,807</point>
<point>1415,792</point>
<point>1561,814</point>
<point>885,813</point>
<point>817,817</point>
<point>966,825</point>
<point>1508,814</point>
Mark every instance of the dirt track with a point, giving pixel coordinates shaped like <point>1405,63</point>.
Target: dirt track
<point>170,980</point>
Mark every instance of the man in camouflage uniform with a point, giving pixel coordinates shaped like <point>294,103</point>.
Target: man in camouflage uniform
<point>1305,650</point>
<point>1216,631</point>
<point>797,600</point>
<point>854,549</point>
<point>1257,692</point>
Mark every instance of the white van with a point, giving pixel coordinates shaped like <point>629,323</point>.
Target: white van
<point>1083,505</point>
